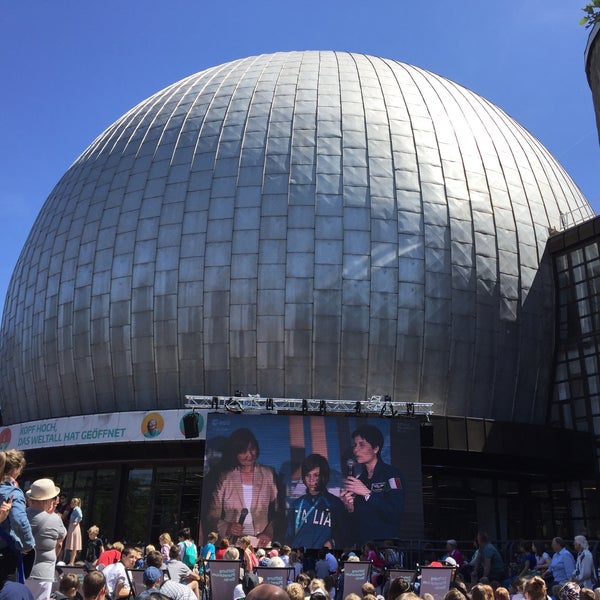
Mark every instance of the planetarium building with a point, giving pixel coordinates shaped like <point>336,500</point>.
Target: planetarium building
<point>307,225</point>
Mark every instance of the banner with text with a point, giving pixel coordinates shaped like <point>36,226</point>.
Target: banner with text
<point>138,426</point>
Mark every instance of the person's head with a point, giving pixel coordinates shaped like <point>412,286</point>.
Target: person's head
<point>75,502</point>
<point>303,579</point>
<point>212,537</point>
<point>569,591</point>
<point>232,553</point>
<point>69,585</point>
<point>165,539</point>
<point>93,532</point>
<point>482,592</point>
<point>94,586</point>
<point>242,449</point>
<point>451,545</point>
<point>267,591</point>
<point>535,589</point>
<point>558,544</point>
<point>260,553</point>
<point>367,588</point>
<point>295,591</point>
<point>518,584</point>
<point>12,463</point>
<point>41,494</point>
<point>118,546</point>
<point>154,559</point>
<point>580,543</point>
<point>409,596</point>
<point>482,538</point>
<point>276,561</point>
<point>597,593</point>
<point>244,542</point>
<point>285,550</point>
<point>316,584</point>
<point>184,533</point>
<point>224,543</point>
<point>152,425</point>
<point>367,443</point>
<point>354,596</point>
<point>129,556</point>
<point>149,548</point>
<point>586,594</point>
<point>174,552</point>
<point>452,594</point>
<point>398,586</point>
<point>315,473</point>
<point>501,593</point>
<point>426,596</point>
<point>152,577</point>
<point>250,581</point>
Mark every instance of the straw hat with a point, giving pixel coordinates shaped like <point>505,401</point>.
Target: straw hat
<point>43,489</point>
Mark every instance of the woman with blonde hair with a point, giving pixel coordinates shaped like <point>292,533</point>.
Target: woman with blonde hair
<point>73,542</point>
<point>535,589</point>
<point>250,560</point>
<point>165,541</point>
<point>16,537</point>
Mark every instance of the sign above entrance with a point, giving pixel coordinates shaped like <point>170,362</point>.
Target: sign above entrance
<point>138,426</point>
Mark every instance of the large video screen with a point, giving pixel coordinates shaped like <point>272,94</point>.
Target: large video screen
<point>312,481</point>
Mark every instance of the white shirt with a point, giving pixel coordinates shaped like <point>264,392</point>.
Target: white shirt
<point>114,574</point>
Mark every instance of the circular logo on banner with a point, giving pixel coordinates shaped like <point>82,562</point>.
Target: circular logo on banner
<point>199,419</point>
<point>152,425</point>
<point>5,436</point>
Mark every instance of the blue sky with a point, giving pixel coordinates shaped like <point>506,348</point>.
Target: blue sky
<point>69,69</point>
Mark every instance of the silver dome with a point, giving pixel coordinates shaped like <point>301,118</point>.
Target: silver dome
<point>305,224</point>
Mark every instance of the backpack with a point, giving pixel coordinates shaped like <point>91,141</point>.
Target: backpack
<point>190,555</point>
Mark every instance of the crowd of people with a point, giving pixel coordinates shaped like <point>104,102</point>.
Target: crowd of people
<point>40,534</point>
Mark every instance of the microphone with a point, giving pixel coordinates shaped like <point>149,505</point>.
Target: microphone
<point>349,472</point>
<point>242,518</point>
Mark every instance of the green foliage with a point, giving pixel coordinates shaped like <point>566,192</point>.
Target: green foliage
<point>592,14</point>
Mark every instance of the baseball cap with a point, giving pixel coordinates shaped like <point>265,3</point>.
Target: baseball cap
<point>151,575</point>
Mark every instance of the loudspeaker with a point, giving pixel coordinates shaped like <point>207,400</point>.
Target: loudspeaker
<point>426,435</point>
<point>190,426</point>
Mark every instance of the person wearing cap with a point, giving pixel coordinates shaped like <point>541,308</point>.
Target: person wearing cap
<point>453,552</point>
<point>584,566</point>
<point>48,532</point>
<point>153,580</point>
